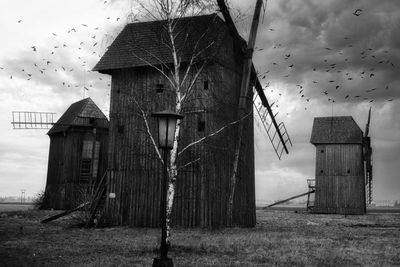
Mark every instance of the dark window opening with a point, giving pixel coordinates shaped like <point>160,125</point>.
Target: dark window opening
<point>348,171</point>
<point>205,85</point>
<point>159,87</point>
<point>121,129</point>
<point>322,151</point>
<point>322,171</point>
<point>201,126</point>
<point>118,91</point>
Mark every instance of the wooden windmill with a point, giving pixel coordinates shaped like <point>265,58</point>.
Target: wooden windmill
<point>78,150</point>
<point>205,192</point>
<point>343,165</point>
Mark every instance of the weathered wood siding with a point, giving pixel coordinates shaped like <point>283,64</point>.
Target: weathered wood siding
<point>65,156</point>
<point>202,190</point>
<point>340,186</point>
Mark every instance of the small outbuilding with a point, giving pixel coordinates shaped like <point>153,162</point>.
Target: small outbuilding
<point>339,172</point>
<point>77,156</point>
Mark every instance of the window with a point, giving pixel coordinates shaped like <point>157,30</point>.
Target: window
<point>201,126</point>
<point>206,85</point>
<point>87,149</point>
<point>120,129</point>
<point>159,87</point>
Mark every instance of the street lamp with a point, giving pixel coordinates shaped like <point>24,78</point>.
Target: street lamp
<point>166,133</point>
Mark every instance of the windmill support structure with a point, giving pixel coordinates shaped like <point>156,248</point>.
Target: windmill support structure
<point>368,160</point>
<point>248,74</point>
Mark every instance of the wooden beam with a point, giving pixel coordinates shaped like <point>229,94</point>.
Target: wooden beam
<point>62,214</point>
<point>234,32</point>
<point>290,198</point>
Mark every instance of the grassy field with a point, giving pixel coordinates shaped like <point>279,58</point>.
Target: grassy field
<point>284,238</point>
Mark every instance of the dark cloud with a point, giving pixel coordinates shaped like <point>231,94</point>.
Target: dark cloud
<point>330,47</point>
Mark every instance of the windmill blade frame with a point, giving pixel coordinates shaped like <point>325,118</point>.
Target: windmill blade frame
<point>368,160</point>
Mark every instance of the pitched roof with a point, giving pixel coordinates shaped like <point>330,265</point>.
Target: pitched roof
<point>146,43</point>
<point>336,130</point>
<point>80,113</point>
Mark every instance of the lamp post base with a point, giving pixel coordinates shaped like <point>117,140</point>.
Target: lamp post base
<point>163,262</point>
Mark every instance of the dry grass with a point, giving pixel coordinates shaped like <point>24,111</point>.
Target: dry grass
<point>280,238</point>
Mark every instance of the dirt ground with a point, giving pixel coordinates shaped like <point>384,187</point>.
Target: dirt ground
<point>284,238</point>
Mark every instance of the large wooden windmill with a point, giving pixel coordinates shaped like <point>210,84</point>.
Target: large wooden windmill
<point>204,184</point>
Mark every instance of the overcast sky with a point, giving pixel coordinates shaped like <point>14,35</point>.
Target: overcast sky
<point>317,58</point>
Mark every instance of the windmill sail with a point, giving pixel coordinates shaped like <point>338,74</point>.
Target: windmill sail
<point>277,133</point>
<point>368,160</point>
<point>32,120</point>
<point>275,130</point>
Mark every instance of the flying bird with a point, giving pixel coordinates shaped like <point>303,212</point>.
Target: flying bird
<point>34,48</point>
<point>19,21</point>
<point>357,12</point>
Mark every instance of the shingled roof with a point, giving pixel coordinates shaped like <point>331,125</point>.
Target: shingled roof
<point>146,43</point>
<point>80,113</point>
<point>336,130</point>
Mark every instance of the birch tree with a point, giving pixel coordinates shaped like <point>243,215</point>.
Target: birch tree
<point>181,75</point>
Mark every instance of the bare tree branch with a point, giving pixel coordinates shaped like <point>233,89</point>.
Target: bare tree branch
<point>188,164</point>
<point>212,134</point>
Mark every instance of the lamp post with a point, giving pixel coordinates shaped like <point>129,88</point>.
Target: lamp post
<point>166,121</point>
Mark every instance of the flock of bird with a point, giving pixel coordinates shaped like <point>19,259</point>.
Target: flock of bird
<point>334,76</point>
<point>44,62</point>
<point>86,51</point>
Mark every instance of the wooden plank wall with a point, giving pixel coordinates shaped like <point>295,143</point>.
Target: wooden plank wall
<point>65,154</point>
<point>203,187</point>
<point>340,186</point>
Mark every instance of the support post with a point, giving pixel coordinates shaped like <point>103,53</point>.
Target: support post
<point>163,260</point>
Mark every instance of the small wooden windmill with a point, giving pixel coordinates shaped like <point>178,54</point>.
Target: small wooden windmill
<point>78,150</point>
<point>343,165</point>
